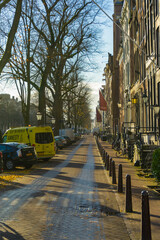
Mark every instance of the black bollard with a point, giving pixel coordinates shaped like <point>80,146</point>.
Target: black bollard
<point>120,179</point>
<point>113,173</point>
<point>99,147</point>
<point>107,162</point>
<point>128,194</point>
<point>146,226</point>
<point>101,150</point>
<point>110,167</point>
<point>103,155</point>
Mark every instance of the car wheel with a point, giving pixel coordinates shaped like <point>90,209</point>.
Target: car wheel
<point>28,166</point>
<point>9,165</point>
<point>46,159</point>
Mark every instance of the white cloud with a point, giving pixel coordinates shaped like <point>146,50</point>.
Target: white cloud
<point>94,86</point>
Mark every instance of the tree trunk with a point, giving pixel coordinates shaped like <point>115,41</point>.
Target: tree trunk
<point>42,104</point>
<point>58,108</point>
<point>11,35</point>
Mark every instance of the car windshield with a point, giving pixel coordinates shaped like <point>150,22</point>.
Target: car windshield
<point>62,138</point>
<point>58,137</point>
<point>18,145</point>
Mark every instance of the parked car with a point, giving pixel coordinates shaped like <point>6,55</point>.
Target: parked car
<point>1,162</point>
<point>61,142</point>
<point>56,146</point>
<point>41,137</point>
<point>17,154</point>
<point>64,141</point>
<point>69,141</point>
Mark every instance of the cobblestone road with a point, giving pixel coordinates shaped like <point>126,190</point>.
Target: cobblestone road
<point>69,201</point>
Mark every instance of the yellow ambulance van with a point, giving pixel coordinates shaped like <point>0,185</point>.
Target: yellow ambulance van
<point>40,137</point>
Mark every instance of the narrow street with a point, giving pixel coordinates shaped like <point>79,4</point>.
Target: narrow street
<point>66,198</point>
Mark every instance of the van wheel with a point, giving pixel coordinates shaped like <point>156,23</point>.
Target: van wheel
<point>46,159</point>
<point>9,165</point>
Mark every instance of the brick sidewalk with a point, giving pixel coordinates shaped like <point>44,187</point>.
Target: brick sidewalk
<point>138,184</point>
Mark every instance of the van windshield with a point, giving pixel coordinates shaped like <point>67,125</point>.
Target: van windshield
<point>44,137</point>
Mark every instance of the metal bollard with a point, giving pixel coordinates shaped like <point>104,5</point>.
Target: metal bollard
<point>107,162</point>
<point>103,155</point>
<point>113,173</point>
<point>98,143</point>
<point>146,226</point>
<point>128,194</point>
<point>110,167</point>
<point>101,150</point>
<point>120,179</point>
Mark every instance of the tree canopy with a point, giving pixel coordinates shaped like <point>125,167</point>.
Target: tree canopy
<point>46,46</point>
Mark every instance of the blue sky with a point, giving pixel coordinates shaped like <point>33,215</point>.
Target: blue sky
<point>95,78</point>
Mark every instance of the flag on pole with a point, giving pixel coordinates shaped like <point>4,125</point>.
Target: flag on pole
<point>98,116</point>
<point>102,102</point>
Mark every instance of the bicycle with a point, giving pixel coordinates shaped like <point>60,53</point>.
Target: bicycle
<point>121,152</point>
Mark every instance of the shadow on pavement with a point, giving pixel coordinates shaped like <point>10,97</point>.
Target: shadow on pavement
<point>9,233</point>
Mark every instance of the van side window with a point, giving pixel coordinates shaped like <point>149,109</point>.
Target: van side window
<point>44,137</point>
<point>4,139</point>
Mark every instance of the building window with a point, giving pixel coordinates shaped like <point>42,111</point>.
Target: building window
<point>148,38</point>
<point>134,3</point>
<point>158,93</point>
<point>151,90</point>
<point>145,7</point>
<point>149,97</point>
<point>154,89</point>
<point>157,46</point>
<point>157,7</point>
<point>151,22</point>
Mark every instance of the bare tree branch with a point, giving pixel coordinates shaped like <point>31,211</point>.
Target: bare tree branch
<point>11,35</point>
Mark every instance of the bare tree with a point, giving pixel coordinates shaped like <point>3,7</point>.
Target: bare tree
<point>79,109</point>
<point>67,37</point>
<point>20,67</point>
<point>55,38</point>
<point>10,36</point>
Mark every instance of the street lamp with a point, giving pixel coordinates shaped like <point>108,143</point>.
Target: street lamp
<point>134,100</point>
<point>156,108</point>
<point>145,98</point>
<point>39,116</point>
<point>119,105</point>
<point>129,103</point>
<point>53,120</point>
